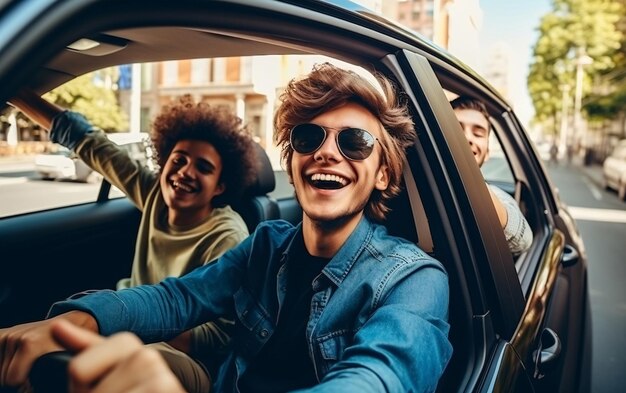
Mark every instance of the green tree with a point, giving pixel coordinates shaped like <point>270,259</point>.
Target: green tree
<point>93,95</point>
<point>571,27</point>
<point>608,100</point>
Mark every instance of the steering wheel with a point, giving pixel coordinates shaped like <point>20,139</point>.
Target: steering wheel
<point>49,373</point>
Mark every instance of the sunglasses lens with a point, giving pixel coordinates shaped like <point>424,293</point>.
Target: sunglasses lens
<point>355,143</point>
<point>306,138</point>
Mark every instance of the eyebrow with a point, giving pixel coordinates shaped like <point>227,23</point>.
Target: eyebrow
<point>202,160</point>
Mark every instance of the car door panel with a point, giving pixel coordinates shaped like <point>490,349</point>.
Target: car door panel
<point>52,254</point>
<point>506,372</point>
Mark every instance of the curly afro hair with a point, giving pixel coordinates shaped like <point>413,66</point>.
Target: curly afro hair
<point>188,120</point>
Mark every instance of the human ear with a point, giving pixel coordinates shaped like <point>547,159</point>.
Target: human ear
<point>220,188</point>
<point>382,178</point>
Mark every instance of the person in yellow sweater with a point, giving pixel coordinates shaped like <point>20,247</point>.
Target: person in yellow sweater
<point>207,159</point>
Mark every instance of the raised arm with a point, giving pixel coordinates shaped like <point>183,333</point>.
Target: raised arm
<point>39,110</point>
<point>517,231</point>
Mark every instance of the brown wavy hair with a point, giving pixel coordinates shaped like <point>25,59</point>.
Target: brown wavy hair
<point>328,87</point>
<point>188,120</point>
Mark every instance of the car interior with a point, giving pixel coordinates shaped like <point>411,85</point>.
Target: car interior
<point>80,256</point>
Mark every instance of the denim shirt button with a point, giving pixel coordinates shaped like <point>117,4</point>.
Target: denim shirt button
<point>263,333</point>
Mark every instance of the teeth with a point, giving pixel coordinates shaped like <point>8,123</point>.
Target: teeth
<point>327,177</point>
<point>182,186</point>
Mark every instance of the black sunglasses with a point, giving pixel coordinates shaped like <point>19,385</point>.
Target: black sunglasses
<point>353,143</point>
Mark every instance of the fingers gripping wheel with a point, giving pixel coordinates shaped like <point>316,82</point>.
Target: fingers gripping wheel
<point>49,373</point>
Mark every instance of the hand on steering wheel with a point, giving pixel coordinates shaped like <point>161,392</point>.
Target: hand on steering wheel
<point>119,363</point>
<point>49,373</point>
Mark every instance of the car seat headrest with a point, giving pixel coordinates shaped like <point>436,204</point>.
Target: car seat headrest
<point>264,181</point>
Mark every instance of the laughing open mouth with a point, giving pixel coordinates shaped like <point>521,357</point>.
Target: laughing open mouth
<point>180,186</point>
<point>328,182</point>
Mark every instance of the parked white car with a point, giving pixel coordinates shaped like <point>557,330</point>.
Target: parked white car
<point>614,170</point>
<point>63,164</point>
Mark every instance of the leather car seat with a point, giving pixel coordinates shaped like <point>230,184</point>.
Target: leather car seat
<point>256,205</point>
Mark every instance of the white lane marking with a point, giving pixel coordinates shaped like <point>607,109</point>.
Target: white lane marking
<point>594,190</point>
<point>12,180</point>
<point>591,214</point>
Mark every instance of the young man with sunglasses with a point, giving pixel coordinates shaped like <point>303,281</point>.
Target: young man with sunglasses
<point>333,304</point>
<point>474,120</point>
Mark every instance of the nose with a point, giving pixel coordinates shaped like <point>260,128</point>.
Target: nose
<point>185,171</point>
<point>469,135</point>
<point>329,149</point>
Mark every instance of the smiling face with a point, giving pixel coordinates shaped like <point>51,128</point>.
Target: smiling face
<point>476,129</point>
<point>329,187</point>
<point>189,181</point>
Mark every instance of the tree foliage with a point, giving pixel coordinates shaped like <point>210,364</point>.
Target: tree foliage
<point>609,99</point>
<point>572,28</point>
<point>93,96</point>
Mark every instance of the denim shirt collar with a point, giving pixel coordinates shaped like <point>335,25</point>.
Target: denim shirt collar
<point>337,269</point>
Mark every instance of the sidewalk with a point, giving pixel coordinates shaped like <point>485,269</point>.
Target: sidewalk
<point>17,163</point>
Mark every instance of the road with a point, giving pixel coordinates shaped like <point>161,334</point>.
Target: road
<point>22,190</point>
<point>601,219</point>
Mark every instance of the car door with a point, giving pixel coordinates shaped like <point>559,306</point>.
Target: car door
<point>526,304</point>
<point>483,308</point>
<point>53,253</point>
<point>565,333</point>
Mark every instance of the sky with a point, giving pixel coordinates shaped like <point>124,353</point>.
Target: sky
<point>514,23</point>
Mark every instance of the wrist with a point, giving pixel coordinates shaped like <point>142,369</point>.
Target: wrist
<point>80,318</point>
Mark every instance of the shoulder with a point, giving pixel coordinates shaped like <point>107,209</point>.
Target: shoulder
<point>407,256</point>
<point>275,228</point>
<point>226,214</point>
<point>272,235</point>
<point>500,193</point>
<point>224,224</point>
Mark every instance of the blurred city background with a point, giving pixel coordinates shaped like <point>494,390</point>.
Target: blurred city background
<point>559,63</point>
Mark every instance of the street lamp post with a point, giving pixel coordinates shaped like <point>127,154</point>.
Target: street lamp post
<point>581,60</point>
<point>564,141</point>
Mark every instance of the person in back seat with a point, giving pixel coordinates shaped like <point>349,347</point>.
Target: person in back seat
<point>334,304</point>
<point>474,119</point>
<point>206,160</point>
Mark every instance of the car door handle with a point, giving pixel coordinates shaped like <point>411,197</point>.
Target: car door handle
<point>548,352</point>
<point>570,256</point>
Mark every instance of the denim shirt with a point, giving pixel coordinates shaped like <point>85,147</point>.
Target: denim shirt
<point>378,317</point>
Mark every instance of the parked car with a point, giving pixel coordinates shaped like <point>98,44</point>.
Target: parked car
<point>614,170</point>
<point>518,323</point>
<point>56,164</point>
<point>62,163</point>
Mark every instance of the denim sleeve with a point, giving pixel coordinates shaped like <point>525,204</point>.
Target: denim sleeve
<point>69,128</point>
<point>404,346</point>
<point>162,311</point>
<point>517,232</point>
